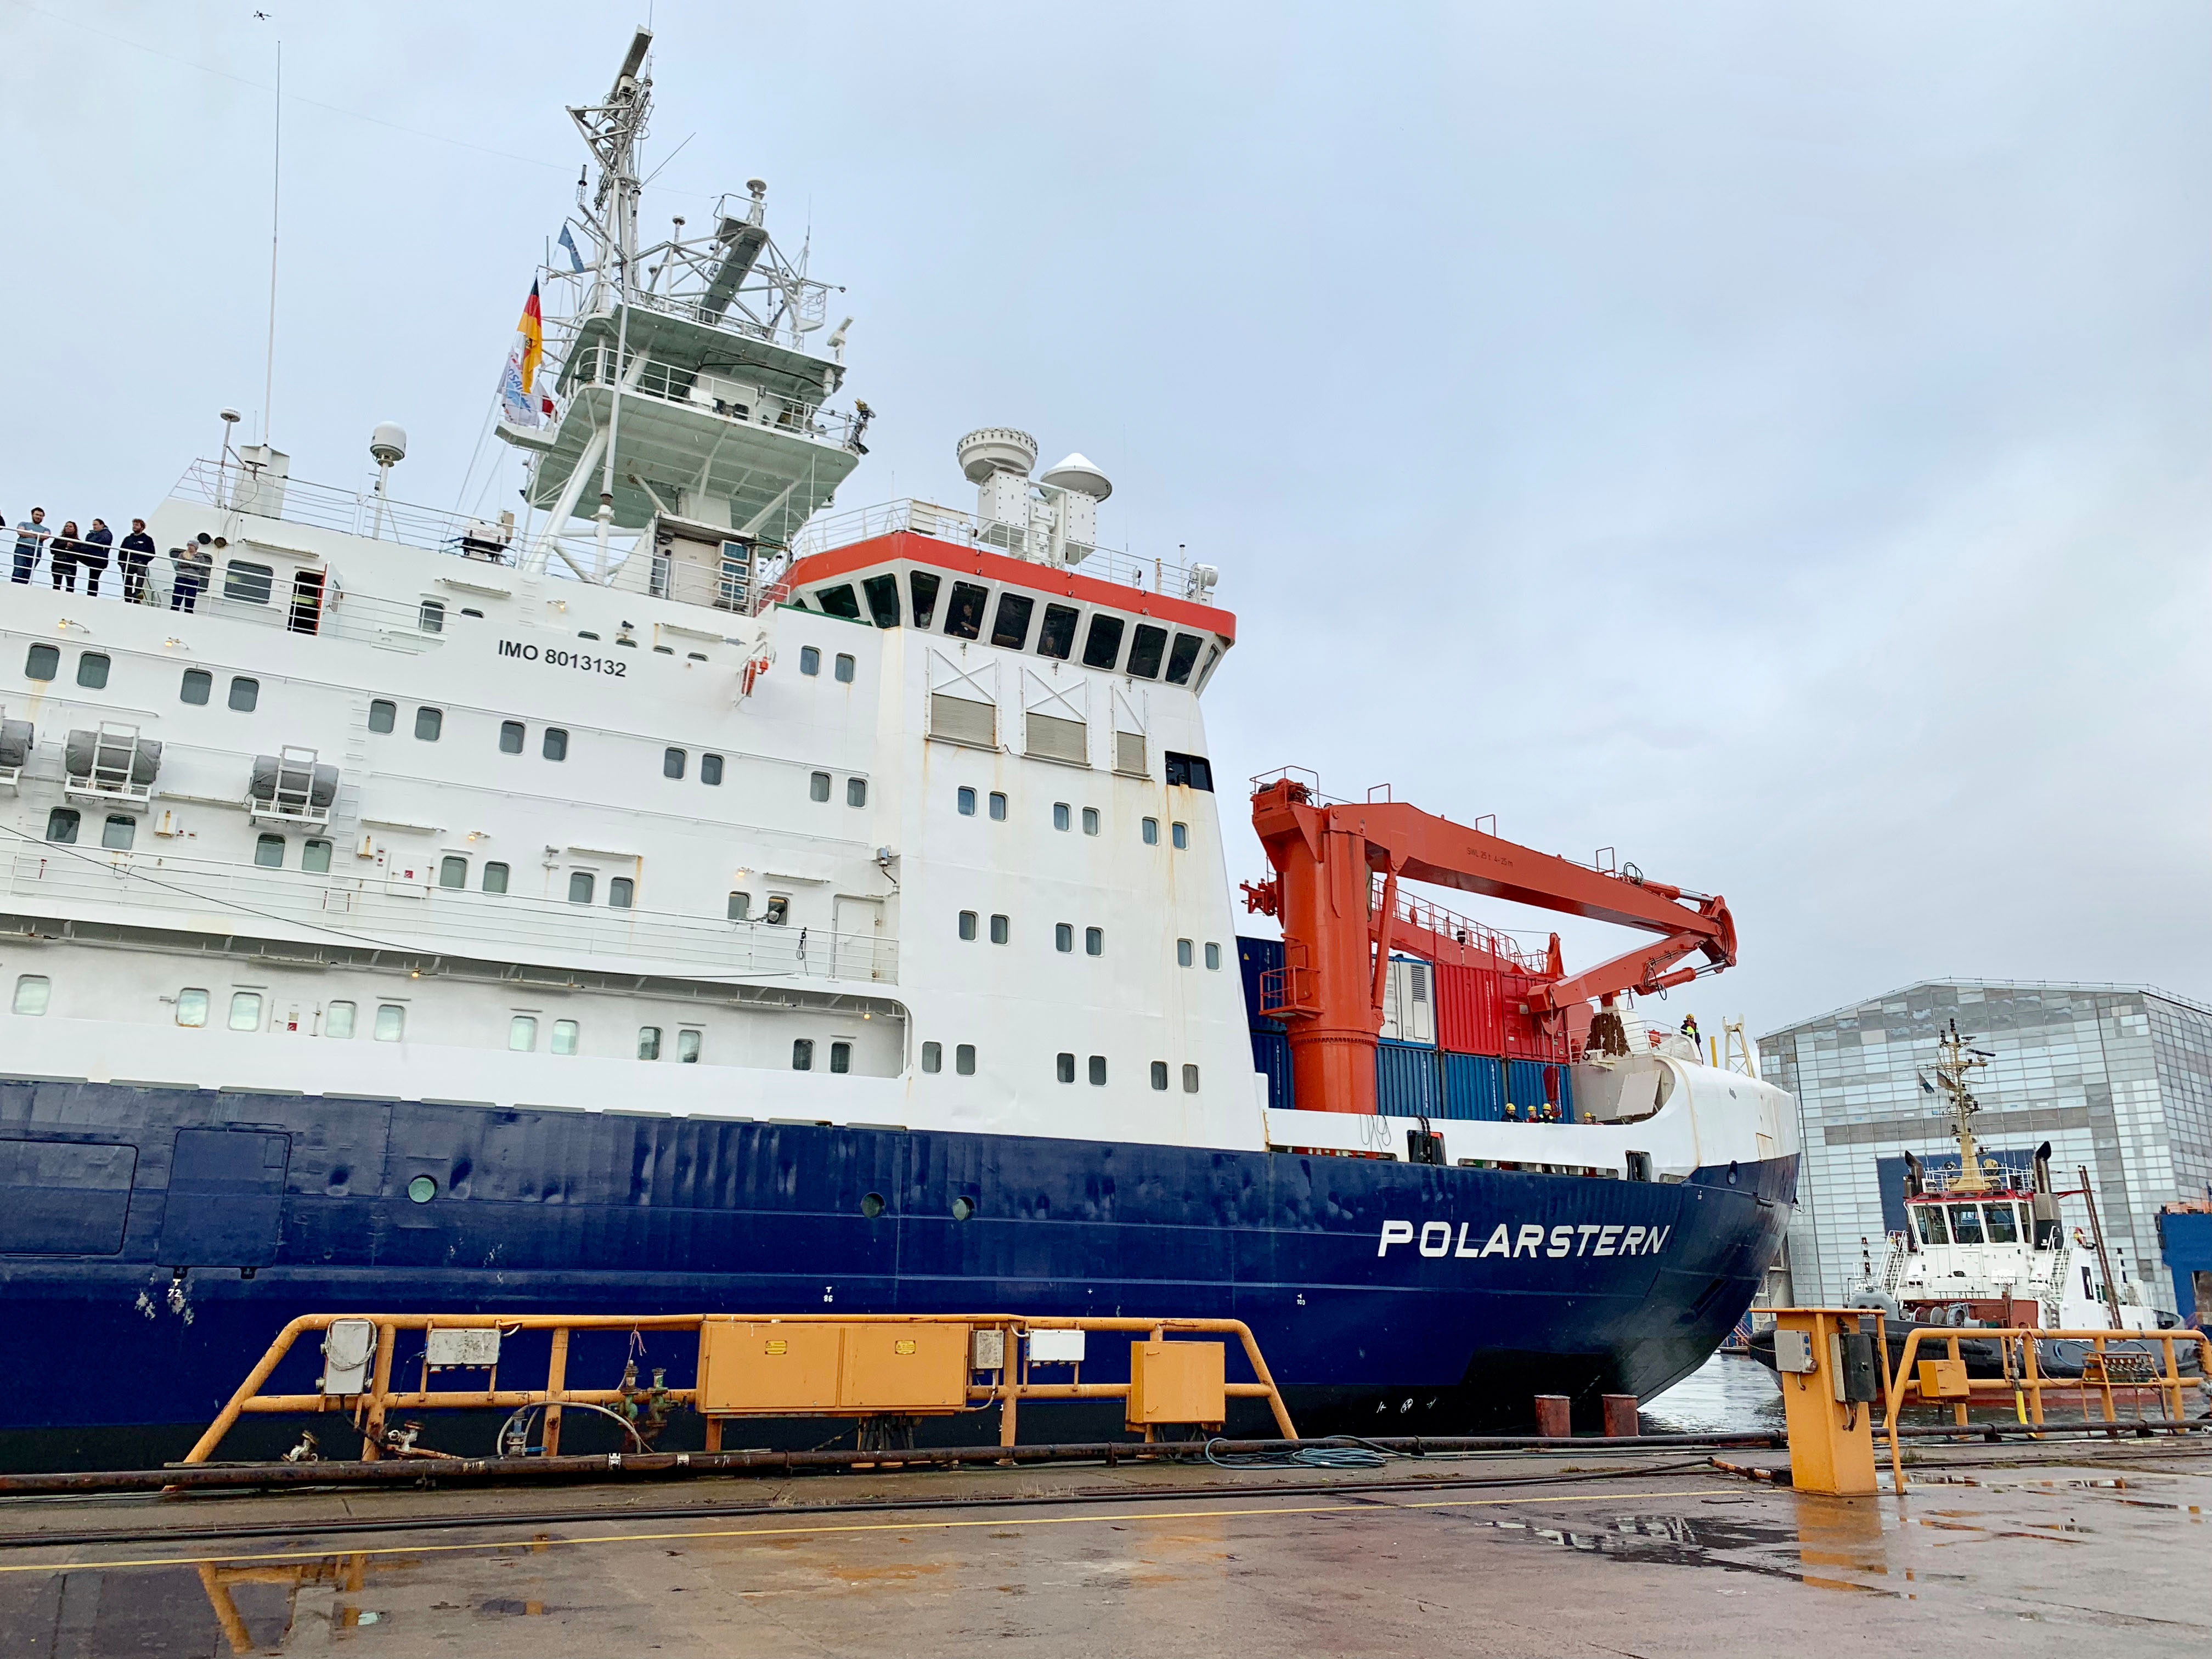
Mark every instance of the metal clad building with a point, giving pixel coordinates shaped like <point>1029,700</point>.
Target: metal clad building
<point>2117,1078</point>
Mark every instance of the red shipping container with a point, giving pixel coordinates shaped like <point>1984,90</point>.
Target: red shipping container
<point>1469,1010</point>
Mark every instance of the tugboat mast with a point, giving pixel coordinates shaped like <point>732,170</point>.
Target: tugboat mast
<point>1955,1061</point>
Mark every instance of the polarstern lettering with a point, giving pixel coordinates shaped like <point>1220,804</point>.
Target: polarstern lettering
<point>1435,1238</point>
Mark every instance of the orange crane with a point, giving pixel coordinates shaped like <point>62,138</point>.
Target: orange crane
<point>1337,940</point>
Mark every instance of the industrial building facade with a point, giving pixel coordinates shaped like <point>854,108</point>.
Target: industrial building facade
<point>2117,1079</point>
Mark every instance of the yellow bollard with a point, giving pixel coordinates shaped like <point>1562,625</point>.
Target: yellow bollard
<point>1828,1360</point>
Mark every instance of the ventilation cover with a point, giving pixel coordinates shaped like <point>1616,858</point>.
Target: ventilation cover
<point>1055,739</point>
<point>958,720</point>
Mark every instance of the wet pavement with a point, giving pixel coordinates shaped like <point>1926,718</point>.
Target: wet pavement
<point>1641,1552</point>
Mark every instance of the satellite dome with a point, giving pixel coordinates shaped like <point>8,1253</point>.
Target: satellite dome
<point>387,444</point>
<point>1077,473</point>
<point>996,449</point>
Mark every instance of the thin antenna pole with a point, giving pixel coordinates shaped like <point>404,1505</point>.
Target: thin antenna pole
<point>275,196</point>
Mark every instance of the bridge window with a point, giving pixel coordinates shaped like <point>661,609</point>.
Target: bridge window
<point>2002,1223</point>
<point>1057,637</point>
<point>963,613</point>
<point>1012,630</point>
<point>882,600</point>
<point>1103,643</point>
<point>922,587</point>
<point>838,601</point>
<point>1147,644</point>
<point>1182,658</point>
<point>1932,1229</point>
<point>1965,1223</point>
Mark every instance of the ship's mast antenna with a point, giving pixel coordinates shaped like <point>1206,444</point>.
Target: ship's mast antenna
<point>276,190</point>
<point>1954,1061</point>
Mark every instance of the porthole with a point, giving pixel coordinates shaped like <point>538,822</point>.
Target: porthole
<point>962,1207</point>
<point>422,1189</point>
<point>871,1204</point>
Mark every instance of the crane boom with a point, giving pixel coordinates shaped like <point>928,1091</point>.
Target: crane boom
<point>1337,941</point>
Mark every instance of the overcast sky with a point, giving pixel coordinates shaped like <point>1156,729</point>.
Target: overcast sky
<point>1770,439</point>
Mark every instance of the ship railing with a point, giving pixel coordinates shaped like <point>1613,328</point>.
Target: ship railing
<point>949,524</point>
<point>417,913</point>
<point>1420,913</point>
<point>2118,1364</point>
<point>672,383</point>
<point>238,488</point>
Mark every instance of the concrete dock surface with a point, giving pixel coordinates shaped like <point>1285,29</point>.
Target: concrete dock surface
<point>2012,1550</point>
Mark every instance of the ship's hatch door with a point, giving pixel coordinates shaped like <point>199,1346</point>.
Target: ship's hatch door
<point>859,923</point>
<point>226,1199</point>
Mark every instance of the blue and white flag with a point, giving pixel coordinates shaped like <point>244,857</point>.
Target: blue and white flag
<point>569,242</point>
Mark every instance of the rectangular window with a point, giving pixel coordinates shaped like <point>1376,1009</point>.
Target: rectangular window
<point>315,857</point>
<point>511,735</point>
<point>1190,1079</point>
<point>838,602</point>
<point>428,723</point>
<point>844,669</point>
<point>92,668</point>
<point>1062,815</point>
<point>244,694</point>
<point>802,1054</point>
<point>430,617</point>
<point>62,826</point>
<point>649,1043</point>
<point>1063,938</point>
<point>191,1008</point>
<point>998,807</point>
<point>269,851</point>
<point>1001,930</point>
<point>687,1046</point>
<point>710,769</point>
<point>245,1011</point>
<point>840,1057</point>
<point>818,787</point>
<point>856,792</point>
<point>1090,820</point>
<point>922,587</point>
<point>383,714</point>
<point>741,907</point>
<point>1160,1075</point>
<point>580,885</point>
<point>2004,1223</point>
<point>882,594</point>
<point>671,762</point>
<point>1094,941</point>
<point>809,660</point>
<point>338,1020</point>
<point>1180,836</point>
<point>1098,1071</point>
<point>933,1056</point>
<point>1147,644</point>
<point>452,870</point>
<point>522,1033</point>
<point>495,878</point>
<point>966,800</point>
<point>564,1036</point>
<point>1932,1229</point>
<point>1965,1223</point>
<point>33,992</point>
<point>1057,637</point>
<point>622,892</point>
<point>1184,954</point>
<point>391,1023</point>
<point>42,662</point>
<point>1104,642</point>
<point>555,746</point>
<point>964,1060</point>
<point>967,924</point>
<point>1214,955</point>
<point>779,909</point>
<point>249,584</point>
<point>1152,830</point>
<point>199,685</point>
<point>117,833</point>
<point>1182,658</point>
<point>1195,770</point>
<point>1063,1067</point>
<point>1012,627</point>
<point>964,612</point>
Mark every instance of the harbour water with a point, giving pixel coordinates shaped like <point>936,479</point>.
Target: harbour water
<point>1728,1393</point>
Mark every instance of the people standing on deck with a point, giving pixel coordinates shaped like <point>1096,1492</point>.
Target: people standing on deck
<point>61,557</point>
<point>195,563</point>
<point>93,554</point>
<point>137,554</point>
<point>34,536</point>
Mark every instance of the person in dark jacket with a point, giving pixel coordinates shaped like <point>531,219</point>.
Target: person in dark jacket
<point>61,556</point>
<point>137,553</point>
<point>93,554</point>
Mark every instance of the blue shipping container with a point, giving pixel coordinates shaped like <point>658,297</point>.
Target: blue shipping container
<point>1533,1086</point>
<point>1475,1087</point>
<point>1406,1082</point>
<point>1255,956</point>
<point>1271,1057</point>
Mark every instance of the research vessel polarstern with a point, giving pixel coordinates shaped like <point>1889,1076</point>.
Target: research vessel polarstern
<point>695,897</point>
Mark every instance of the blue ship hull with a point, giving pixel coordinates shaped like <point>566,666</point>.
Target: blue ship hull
<point>275,1206</point>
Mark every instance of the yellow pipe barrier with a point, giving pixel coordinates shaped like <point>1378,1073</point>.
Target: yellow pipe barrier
<point>371,1407</point>
<point>1945,1380</point>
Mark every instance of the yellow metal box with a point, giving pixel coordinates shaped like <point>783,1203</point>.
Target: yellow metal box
<point>745,1366</point>
<point>1176,1383</point>
<point>905,1368</point>
<point>1944,1379</point>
